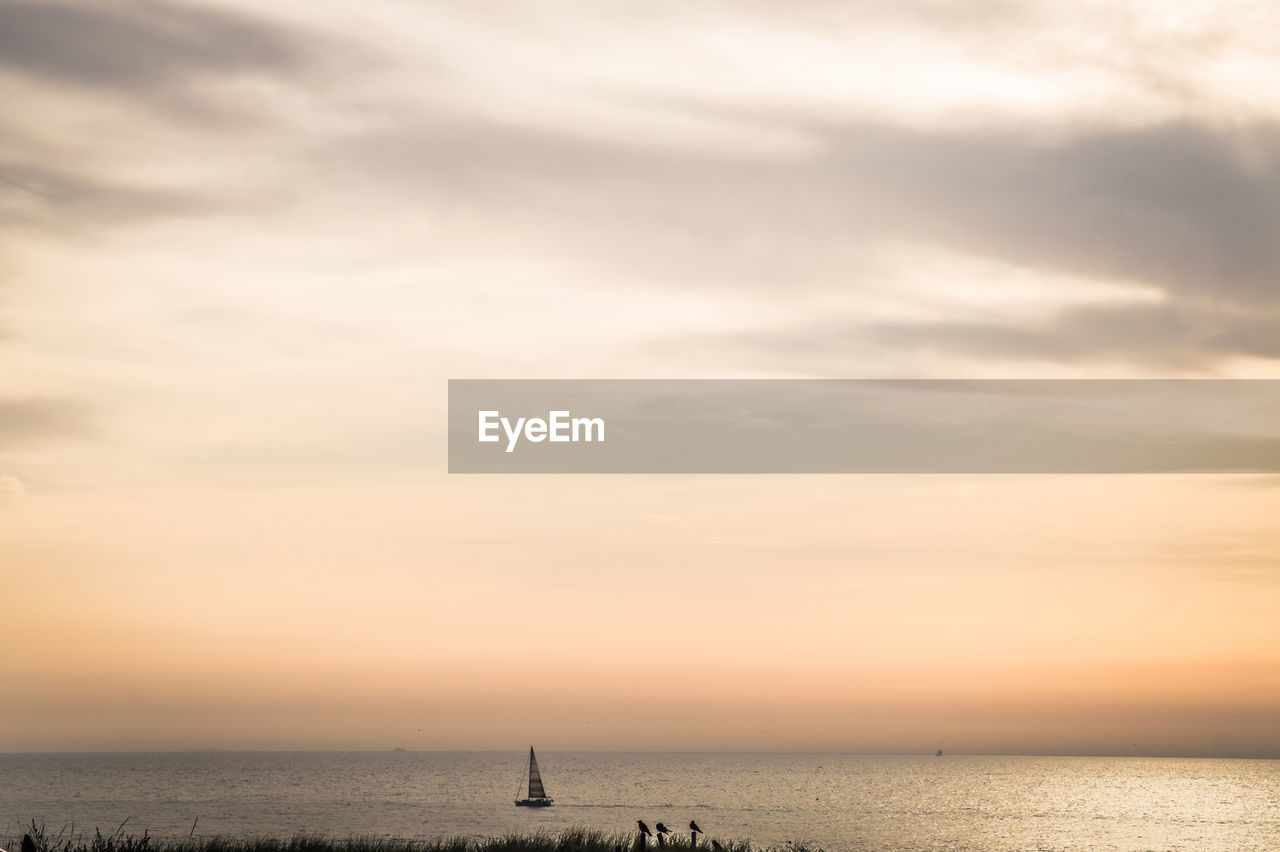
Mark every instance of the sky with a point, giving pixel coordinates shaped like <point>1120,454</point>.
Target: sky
<point>244,246</point>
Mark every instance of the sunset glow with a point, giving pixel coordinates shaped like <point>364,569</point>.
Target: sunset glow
<point>245,247</point>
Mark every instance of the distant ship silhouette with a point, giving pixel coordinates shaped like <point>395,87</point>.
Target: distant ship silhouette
<point>939,754</point>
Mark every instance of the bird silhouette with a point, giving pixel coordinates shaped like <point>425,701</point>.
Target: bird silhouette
<point>693,826</point>
<point>715,844</point>
<point>644,829</point>
<point>662,829</point>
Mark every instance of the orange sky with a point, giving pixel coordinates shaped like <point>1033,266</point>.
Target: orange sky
<point>237,271</point>
<point>1121,614</point>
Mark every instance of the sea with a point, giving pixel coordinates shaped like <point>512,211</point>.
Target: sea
<point>828,801</point>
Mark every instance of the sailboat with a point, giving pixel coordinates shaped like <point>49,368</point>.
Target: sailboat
<point>538,797</point>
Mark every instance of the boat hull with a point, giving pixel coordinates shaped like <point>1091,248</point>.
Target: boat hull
<point>533,803</point>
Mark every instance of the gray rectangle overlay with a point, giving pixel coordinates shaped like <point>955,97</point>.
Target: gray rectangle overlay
<point>864,426</point>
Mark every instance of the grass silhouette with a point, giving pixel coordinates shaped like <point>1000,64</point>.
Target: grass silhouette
<point>569,840</point>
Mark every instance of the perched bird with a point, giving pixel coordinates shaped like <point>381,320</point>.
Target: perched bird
<point>715,844</point>
<point>662,829</point>
<point>28,845</point>
<point>644,829</point>
<point>693,826</point>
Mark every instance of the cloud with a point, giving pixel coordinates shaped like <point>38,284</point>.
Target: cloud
<point>1185,215</point>
<point>31,420</point>
<point>137,109</point>
<point>36,196</point>
<point>11,489</point>
<point>134,45</point>
<point>1186,208</point>
<point>1189,209</point>
<point>1187,336</point>
<point>674,187</point>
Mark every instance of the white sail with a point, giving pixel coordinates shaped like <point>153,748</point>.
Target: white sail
<point>535,778</point>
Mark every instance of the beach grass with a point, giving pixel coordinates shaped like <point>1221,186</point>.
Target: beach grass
<point>568,840</point>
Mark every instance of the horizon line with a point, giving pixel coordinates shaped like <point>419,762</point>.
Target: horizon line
<point>834,753</point>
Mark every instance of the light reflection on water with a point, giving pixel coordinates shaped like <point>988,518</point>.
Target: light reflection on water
<point>875,802</point>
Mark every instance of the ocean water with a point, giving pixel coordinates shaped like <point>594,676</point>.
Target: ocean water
<point>854,802</point>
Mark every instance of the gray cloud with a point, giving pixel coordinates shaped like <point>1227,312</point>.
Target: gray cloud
<point>151,56</point>
<point>136,45</point>
<point>56,200</point>
<point>1184,208</point>
<point>1190,337</point>
<point>1188,209</point>
<point>30,420</point>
